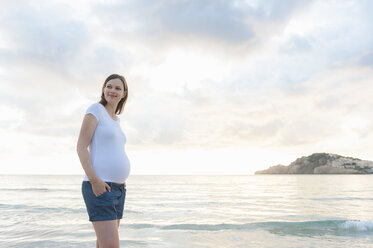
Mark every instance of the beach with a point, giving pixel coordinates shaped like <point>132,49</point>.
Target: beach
<point>195,211</point>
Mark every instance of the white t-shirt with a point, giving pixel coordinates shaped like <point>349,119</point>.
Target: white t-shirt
<point>107,153</point>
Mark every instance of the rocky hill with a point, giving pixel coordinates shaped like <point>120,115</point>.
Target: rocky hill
<point>323,163</point>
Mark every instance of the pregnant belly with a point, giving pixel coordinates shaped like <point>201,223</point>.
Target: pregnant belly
<point>113,170</point>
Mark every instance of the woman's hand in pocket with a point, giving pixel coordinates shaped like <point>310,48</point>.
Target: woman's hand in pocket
<point>99,187</point>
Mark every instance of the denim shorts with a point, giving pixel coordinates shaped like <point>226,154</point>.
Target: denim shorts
<point>107,206</point>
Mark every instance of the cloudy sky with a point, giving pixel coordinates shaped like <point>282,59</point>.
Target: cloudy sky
<point>215,87</point>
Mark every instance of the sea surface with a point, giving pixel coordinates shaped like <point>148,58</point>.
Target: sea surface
<point>195,211</point>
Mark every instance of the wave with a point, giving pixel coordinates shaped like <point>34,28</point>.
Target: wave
<point>359,226</point>
<point>37,189</point>
<point>342,199</point>
<point>25,189</point>
<point>31,208</point>
<point>38,208</point>
<point>307,228</point>
<point>320,228</point>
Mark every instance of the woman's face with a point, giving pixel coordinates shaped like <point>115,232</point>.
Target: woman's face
<point>114,91</point>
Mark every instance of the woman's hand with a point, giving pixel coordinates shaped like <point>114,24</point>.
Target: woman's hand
<point>99,187</point>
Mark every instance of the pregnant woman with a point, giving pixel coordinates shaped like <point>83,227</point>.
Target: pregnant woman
<point>106,164</point>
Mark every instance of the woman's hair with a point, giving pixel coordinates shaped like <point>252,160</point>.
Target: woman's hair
<point>123,101</point>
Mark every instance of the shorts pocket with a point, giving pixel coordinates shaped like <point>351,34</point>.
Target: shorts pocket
<point>103,194</point>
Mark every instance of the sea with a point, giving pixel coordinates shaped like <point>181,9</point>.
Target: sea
<point>195,211</point>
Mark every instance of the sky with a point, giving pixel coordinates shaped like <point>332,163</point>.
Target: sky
<point>215,87</point>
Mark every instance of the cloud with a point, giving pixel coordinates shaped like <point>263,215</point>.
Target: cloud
<point>57,38</point>
<point>317,112</point>
<point>202,74</point>
<point>212,24</point>
<point>43,35</point>
<point>367,60</point>
<point>219,20</point>
<point>297,43</point>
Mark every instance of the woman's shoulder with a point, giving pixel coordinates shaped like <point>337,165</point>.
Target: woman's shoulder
<point>95,105</point>
<point>95,109</point>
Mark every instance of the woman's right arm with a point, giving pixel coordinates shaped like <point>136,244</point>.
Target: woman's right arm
<point>86,133</point>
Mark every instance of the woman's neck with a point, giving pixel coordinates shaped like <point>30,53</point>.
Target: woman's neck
<point>110,109</point>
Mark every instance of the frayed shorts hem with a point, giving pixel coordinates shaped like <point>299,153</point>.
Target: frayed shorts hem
<point>102,219</point>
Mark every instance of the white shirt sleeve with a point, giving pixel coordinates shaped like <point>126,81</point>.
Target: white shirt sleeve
<point>94,110</point>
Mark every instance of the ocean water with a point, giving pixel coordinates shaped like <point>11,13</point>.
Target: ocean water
<point>195,211</point>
